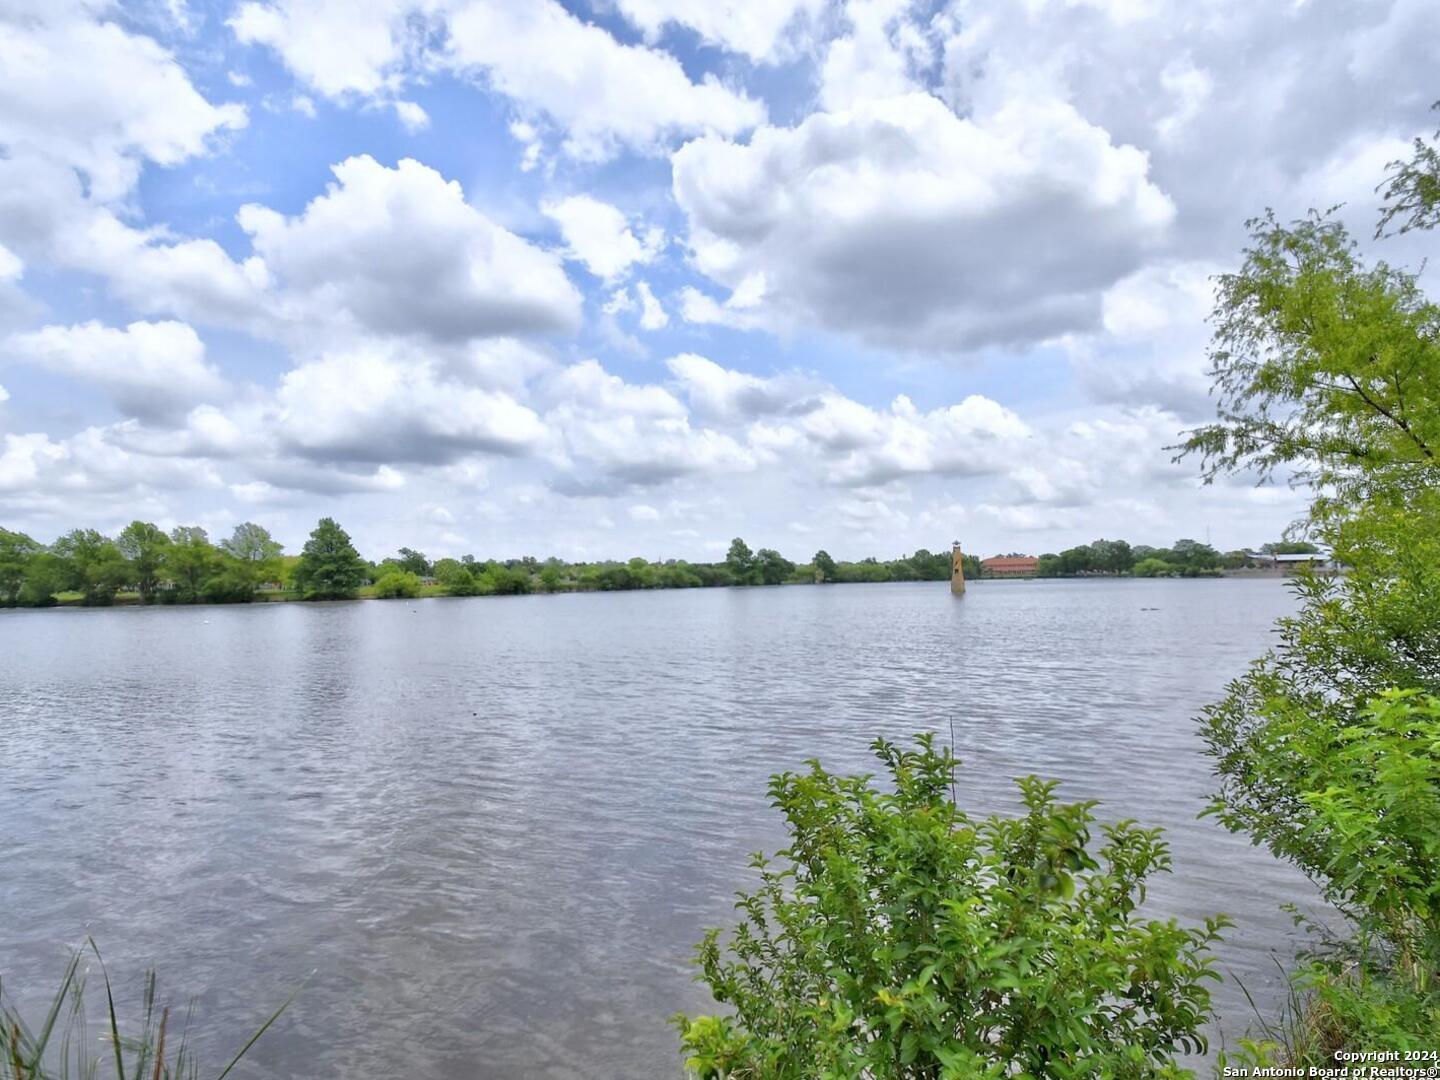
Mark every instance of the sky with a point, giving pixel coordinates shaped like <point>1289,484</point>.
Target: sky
<point>607,278</point>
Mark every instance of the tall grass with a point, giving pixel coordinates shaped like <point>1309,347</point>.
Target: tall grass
<point>61,1047</point>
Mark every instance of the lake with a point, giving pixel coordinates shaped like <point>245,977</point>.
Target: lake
<point>495,828</point>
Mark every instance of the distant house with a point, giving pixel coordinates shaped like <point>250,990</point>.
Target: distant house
<point>1317,560</point>
<point>1010,566</point>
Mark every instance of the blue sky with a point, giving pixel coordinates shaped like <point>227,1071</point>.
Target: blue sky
<point>635,276</point>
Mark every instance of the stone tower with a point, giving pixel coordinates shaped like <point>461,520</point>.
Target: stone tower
<point>957,570</point>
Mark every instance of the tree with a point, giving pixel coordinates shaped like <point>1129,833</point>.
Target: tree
<point>1194,556</point>
<point>252,544</point>
<point>144,545</point>
<point>1323,366</point>
<point>740,562</point>
<point>1111,556</point>
<point>1412,193</point>
<point>330,568</point>
<point>551,577</point>
<point>455,577</point>
<point>897,937</point>
<point>413,562</point>
<point>92,565</point>
<point>771,567</point>
<point>16,552</point>
<point>1290,548</point>
<point>1328,749</point>
<point>824,566</point>
<point>190,559</point>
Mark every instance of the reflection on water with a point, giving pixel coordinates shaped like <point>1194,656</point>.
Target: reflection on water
<point>496,828</point>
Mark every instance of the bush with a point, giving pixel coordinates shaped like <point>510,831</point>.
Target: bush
<point>397,585</point>
<point>896,937</point>
<point>1153,568</point>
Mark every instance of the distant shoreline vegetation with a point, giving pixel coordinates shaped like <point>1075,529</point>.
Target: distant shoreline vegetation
<point>143,564</point>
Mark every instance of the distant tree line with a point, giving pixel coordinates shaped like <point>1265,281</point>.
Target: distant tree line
<point>145,564</point>
<point>1184,558</point>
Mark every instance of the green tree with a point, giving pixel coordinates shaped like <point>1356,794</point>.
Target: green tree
<point>1326,750</point>
<point>740,562</point>
<point>144,545</point>
<point>551,577</point>
<point>1153,567</point>
<point>16,552</point>
<point>896,937</point>
<point>1076,560</point>
<point>413,562</point>
<point>455,577</point>
<point>189,561</point>
<point>1111,556</point>
<point>45,575</point>
<point>330,568</point>
<point>1322,365</point>
<point>824,566</point>
<point>1193,556</point>
<point>772,568</point>
<point>92,565</point>
<point>256,555</point>
<point>1284,547</point>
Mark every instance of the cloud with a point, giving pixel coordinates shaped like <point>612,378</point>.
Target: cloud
<point>363,60</point>
<point>764,32</point>
<point>399,251</point>
<point>612,435</point>
<point>373,407</point>
<point>603,95</point>
<point>1152,347</point>
<point>652,314</point>
<point>412,116</point>
<point>93,96</point>
<point>862,446</point>
<point>598,235</point>
<point>721,394</point>
<point>150,370</point>
<point>912,228</point>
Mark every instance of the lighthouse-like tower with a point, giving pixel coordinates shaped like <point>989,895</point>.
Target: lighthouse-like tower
<point>957,570</point>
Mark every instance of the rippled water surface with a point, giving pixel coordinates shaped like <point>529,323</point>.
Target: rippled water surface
<point>496,827</point>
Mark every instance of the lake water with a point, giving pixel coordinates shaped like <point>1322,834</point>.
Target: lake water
<point>495,828</point>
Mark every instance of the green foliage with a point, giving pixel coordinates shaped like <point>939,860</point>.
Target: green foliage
<point>1322,365</point>
<point>190,559</point>
<point>413,562</point>
<point>396,584</point>
<point>329,568</point>
<point>254,557</point>
<point>824,566</point>
<point>1153,567</point>
<point>1412,194</point>
<point>740,562</point>
<point>456,579</point>
<point>772,568</point>
<point>1290,547</point>
<point>1328,749</point>
<point>144,545</point>
<point>61,1046</point>
<point>92,565</point>
<point>16,551</point>
<point>1351,798</point>
<point>897,937</point>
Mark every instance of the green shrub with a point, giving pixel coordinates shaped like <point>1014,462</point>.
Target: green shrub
<point>1154,568</point>
<point>397,585</point>
<point>896,937</point>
